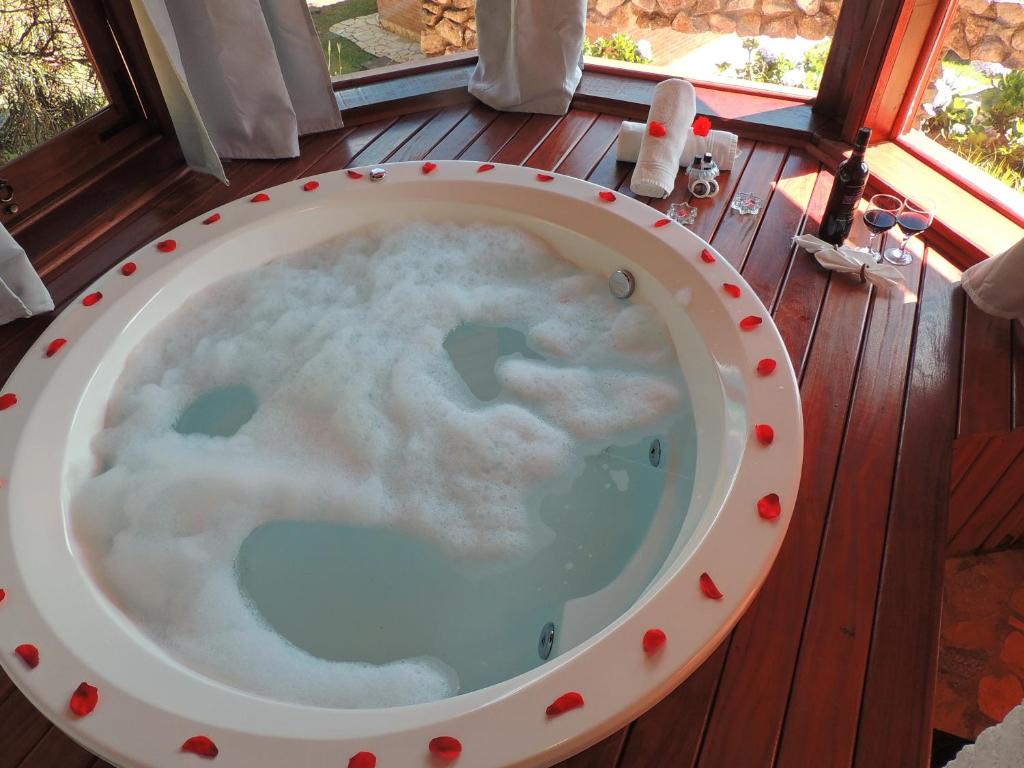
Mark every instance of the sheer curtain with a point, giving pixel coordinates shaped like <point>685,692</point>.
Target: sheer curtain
<point>22,293</point>
<point>530,54</point>
<point>996,285</point>
<point>242,78</point>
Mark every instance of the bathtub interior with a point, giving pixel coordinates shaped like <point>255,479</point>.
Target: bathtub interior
<point>677,500</point>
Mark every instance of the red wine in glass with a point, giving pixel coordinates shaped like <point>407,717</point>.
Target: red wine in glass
<point>912,223</point>
<point>879,221</point>
<point>914,217</point>
<point>880,217</point>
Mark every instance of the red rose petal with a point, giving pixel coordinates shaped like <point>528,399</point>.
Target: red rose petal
<point>607,196</point>
<point>309,186</point>
<point>750,322</point>
<point>8,400</point>
<point>656,129</point>
<point>92,298</point>
<point>709,588</point>
<point>769,506</point>
<point>445,747</point>
<point>654,640</point>
<point>166,246</point>
<point>564,703</point>
<point>201,745</point>
<point>765,366</point>
<point>545,177</point>
<point>55,346</point>
<point>363,760</point>
<point>29,654</point>
<point>129,269</point>
<point>261,197</point>
<point>212,219</point>
<point>84,699</point>
<point>429,167</point>
<point>765,433</point>
<point>485,167</point>
<point>732,290</point>
<point>354,174</point>
<point>662,222</point>
<point>707,256</point>
<point>3,595</point>
<point>701,126</point>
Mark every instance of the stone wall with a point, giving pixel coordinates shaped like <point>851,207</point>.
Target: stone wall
<point>989,31</point>
<point>449,26</point>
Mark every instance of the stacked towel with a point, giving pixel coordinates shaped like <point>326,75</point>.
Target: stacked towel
<point>721,145</point>
<point>673,107</point>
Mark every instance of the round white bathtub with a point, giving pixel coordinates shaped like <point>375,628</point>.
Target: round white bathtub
<point>699,563</point>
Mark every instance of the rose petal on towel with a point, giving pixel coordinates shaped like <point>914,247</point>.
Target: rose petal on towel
<point>212,219</point>
<point>261,197</point>
<point>29,654</point>
<point>354,174</point>
<point>3,595</point>
<point>607,196</point>
<point>654,640</point>
<point>709,588</point>
<point>202,746</point>
<point>769,506</point>
<point>363,760</point>
<point>429,167</point>
<point>166,246</point>
<point>445,747</point>
<point>732,290</point>
<point>55,346</point>
<point>485,167</point>
<point>750,322</point>
<point>656,129</point>
<point>311,186</point>
<point>765,366</point>
<point>701,126</point>
<point>129,269</point>
<point>84,699</point>
<point>8,400</point>
<point>565,703</point>
<point>662,222</point>
<point>92,298</point>
<point>545,177</point>
<point>707,256</point>
<point>765,433</point>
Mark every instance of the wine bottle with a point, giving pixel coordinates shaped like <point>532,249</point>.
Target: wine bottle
<point>847,189</point>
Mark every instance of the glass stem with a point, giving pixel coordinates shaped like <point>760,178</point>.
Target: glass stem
<point>903,248</point>
<point>871,246</point>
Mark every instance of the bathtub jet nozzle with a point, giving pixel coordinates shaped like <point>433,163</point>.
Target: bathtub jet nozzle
<point>547,641</point>
<point>622,284</point>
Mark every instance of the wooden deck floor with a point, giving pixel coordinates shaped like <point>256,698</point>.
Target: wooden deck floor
<point>834,663</point>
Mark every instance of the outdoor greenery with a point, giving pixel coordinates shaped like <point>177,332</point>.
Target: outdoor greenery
<point>619,46</point>
<point>47,84</point>
<point>766,66</point>
<point>978,113</point>
<point>342,55</point>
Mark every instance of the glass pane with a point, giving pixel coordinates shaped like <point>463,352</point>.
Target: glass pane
<point>47,83</point>
<point>775,42</point>
<point>974,105</point>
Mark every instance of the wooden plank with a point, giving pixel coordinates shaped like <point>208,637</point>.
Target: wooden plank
<point>495,136</point>
<point>826,693</point>
<point>587,153</point>
<point>57,749</point>
<point>401,131</point>
<point>966,526</point>
<point>1018,373</point>
<point>901,664</point>
<point>21,728</point>
<point>465,133</point>
<point>430,135</point>
<point>604,753</point>
<point>966,452</point>
<point>520,146</point>
<point>557,145</point>
<point>985,390</point>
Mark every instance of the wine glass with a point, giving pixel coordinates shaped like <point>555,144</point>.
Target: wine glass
<point>880,217</point>
<point>914,217</point>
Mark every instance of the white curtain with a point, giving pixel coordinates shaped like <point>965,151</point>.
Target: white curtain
<point>996,285</point>
<point>22,293</point>
<point>241,78</point>
<point>530,54</point>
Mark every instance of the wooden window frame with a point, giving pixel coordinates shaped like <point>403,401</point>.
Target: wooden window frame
<point>134,120</point>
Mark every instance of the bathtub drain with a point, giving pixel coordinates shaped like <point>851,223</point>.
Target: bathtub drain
<point>547,640</point>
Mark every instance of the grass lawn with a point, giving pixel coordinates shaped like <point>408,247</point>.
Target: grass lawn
<point>342,55</point>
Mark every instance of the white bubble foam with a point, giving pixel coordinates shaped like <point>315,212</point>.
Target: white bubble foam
<point>362,419</point>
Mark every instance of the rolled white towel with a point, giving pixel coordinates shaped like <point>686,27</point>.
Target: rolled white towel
<point>673,106</point>
<point>721,144</point>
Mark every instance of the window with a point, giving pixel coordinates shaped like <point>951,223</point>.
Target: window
<point>782,43</point>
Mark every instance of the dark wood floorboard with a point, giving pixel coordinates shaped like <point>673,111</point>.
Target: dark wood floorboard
<point>833,664</point>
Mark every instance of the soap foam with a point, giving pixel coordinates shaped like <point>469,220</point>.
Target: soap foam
<point>363,420</point>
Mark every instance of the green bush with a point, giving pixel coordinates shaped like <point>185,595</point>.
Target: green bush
<point>765,66</point>
<point>619,46</point>
<point>47,84</point>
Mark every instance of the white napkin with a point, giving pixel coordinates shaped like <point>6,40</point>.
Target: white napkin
<point>847,259</point>
<point>22,293</point>
<point>674,105</point>
<point>721,145</point>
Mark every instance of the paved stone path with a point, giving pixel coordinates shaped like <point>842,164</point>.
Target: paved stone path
<point>368,34</point>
